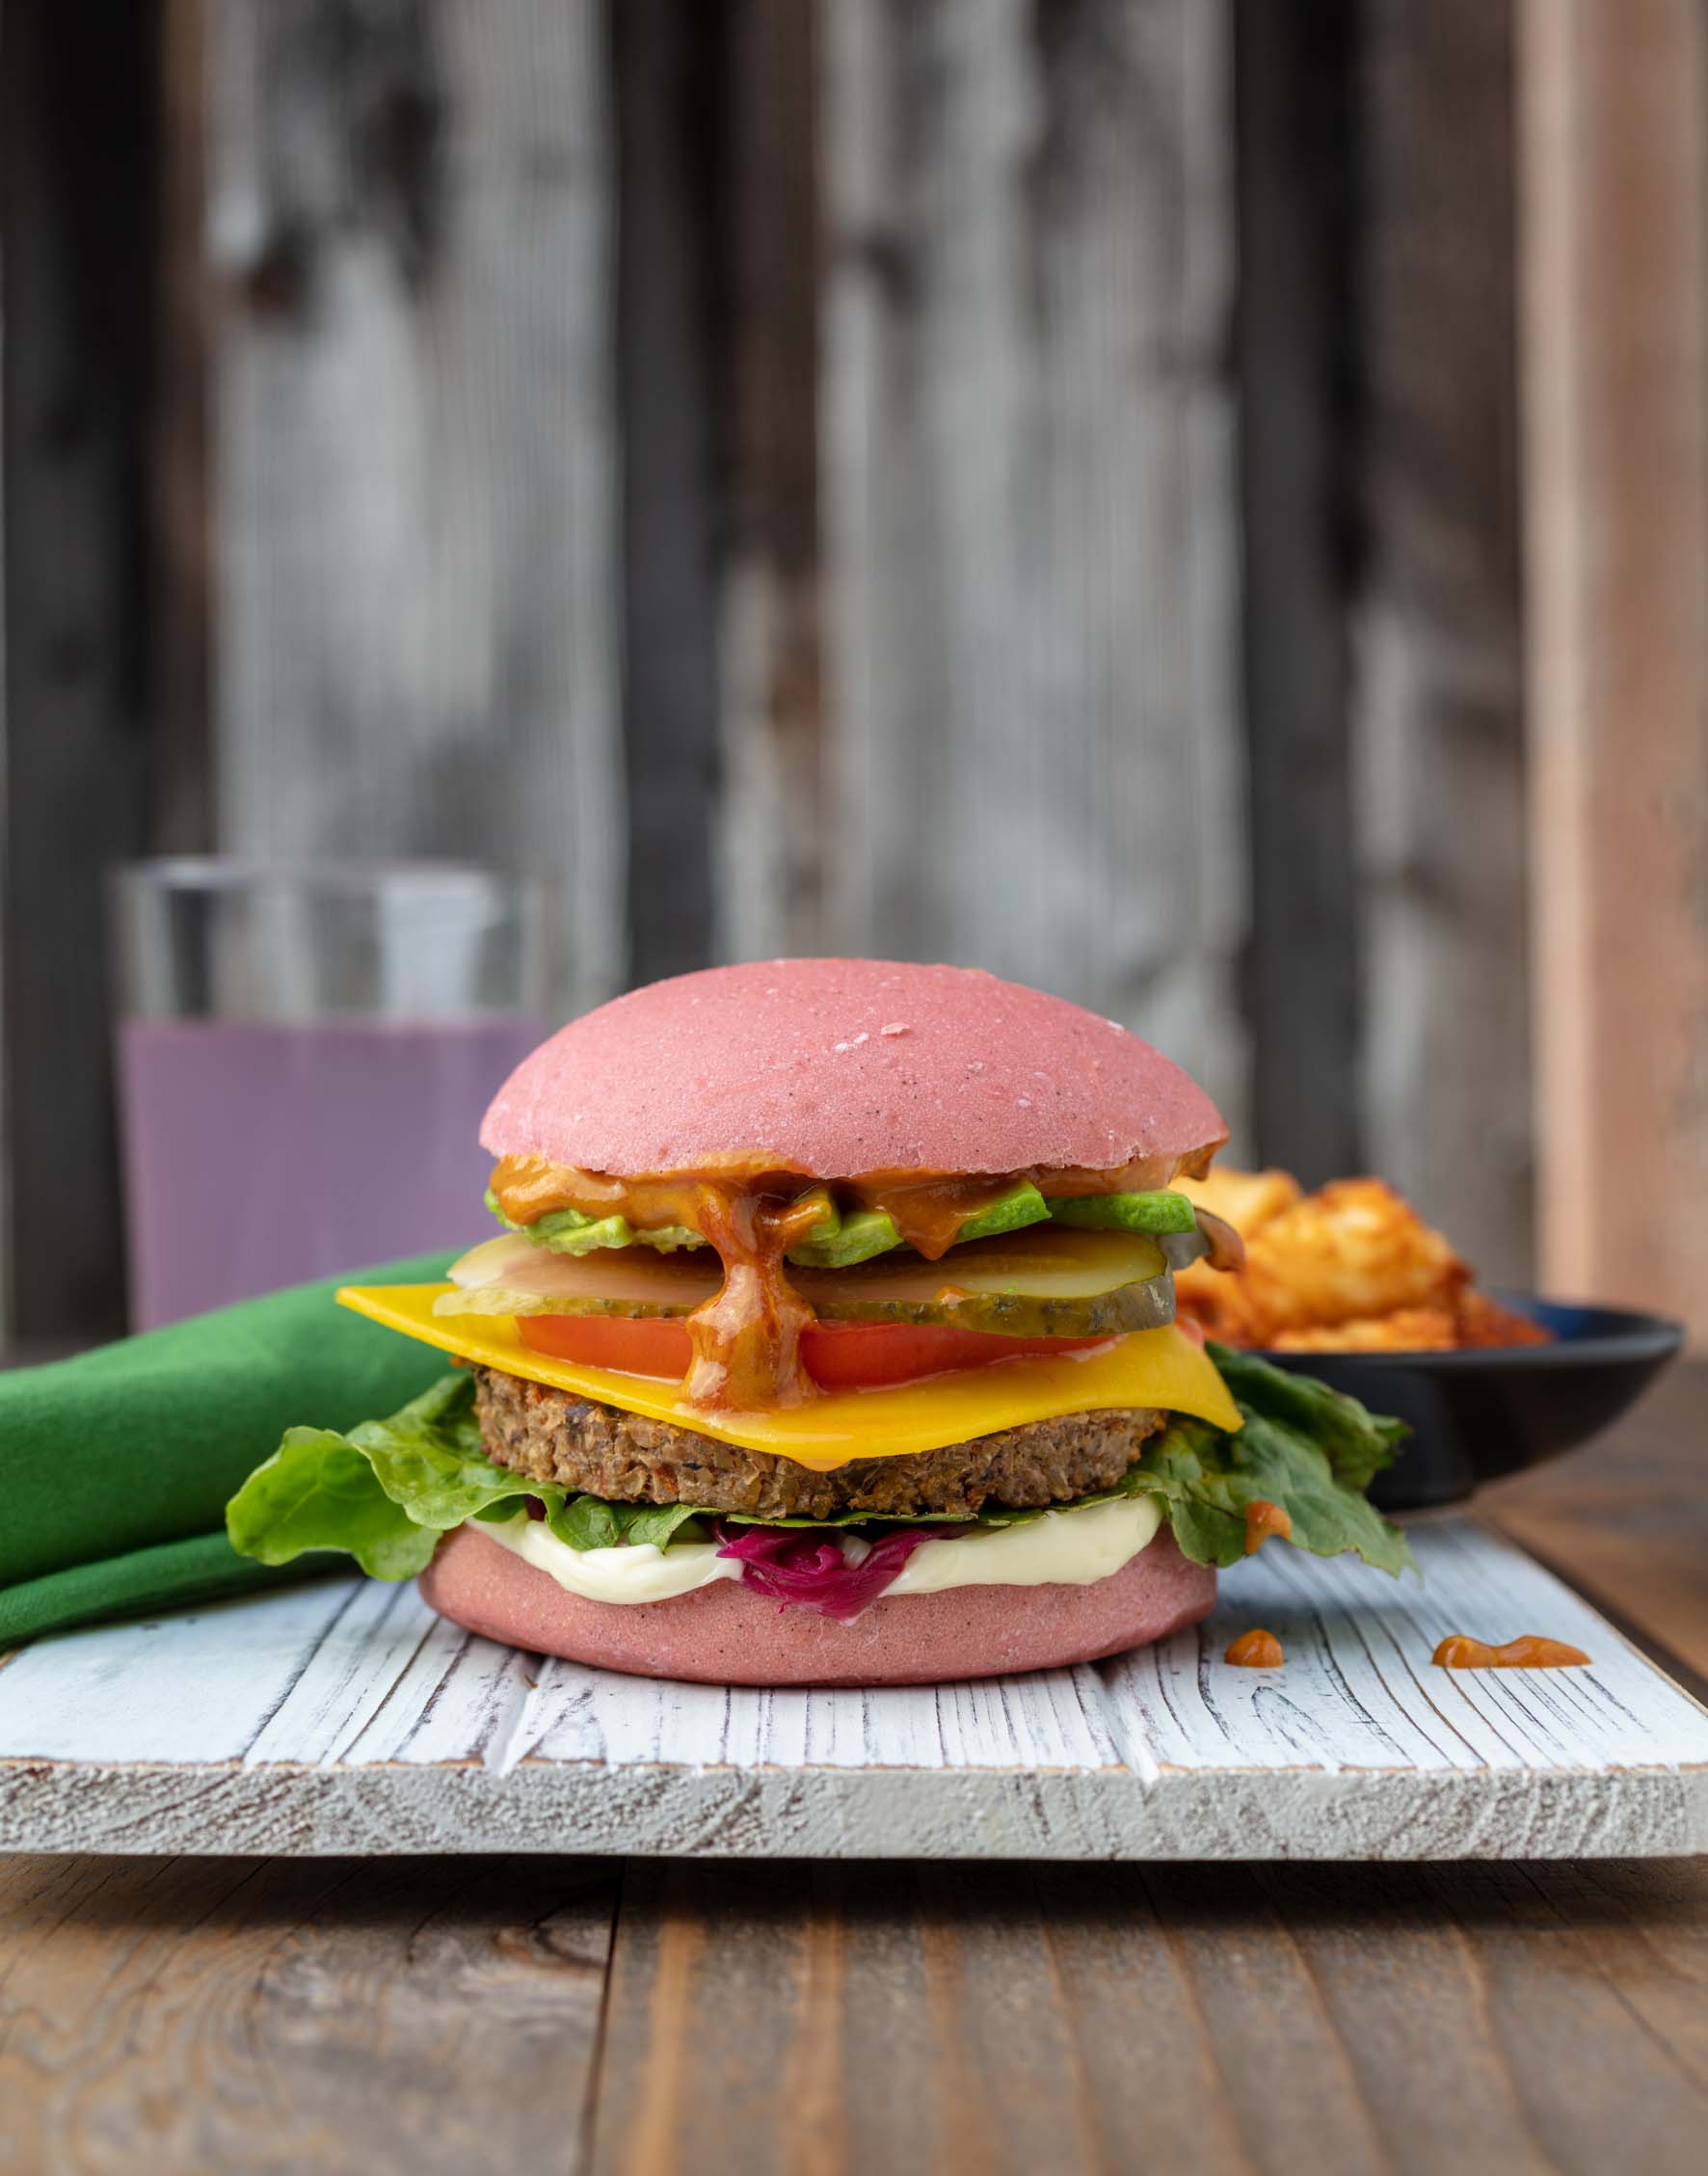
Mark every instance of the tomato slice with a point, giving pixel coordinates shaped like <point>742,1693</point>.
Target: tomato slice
<point>838,1356</point>
<point>641,1347</point>
<point>856,1356</point>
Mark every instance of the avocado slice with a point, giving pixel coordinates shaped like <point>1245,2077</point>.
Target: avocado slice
<point>1026,1205</point>
<point>586,1235</point>
<point>567,1231</point>
<point>1155,1213</point>
<point>854,1238</point>
<point>867,1232</point>
<point>841,1241</point>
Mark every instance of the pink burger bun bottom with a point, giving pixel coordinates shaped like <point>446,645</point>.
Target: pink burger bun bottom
<point>727,1635</point>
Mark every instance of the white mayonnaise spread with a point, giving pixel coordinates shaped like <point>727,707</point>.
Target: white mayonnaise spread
<point>637,1572</point>
<point>1068,1548</point>
<point>1064,1548</point>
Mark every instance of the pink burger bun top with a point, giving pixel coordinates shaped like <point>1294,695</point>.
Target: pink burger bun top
<point>839,1068</point>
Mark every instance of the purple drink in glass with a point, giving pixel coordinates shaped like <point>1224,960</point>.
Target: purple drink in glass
<point>262,1153</point>
<point>304,1055</point>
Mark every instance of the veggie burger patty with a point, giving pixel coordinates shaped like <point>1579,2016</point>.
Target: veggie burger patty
<point>552,1435</point>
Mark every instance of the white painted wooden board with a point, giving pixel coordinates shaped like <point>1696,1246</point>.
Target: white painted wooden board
<point>344,1716</point>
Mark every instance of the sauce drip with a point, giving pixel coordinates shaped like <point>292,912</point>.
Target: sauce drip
<point>1264,1519</point>
<point>746,1338</point>
<point>1528,1651</point>
<point>929,1212</point>
<point>1256,1650</point>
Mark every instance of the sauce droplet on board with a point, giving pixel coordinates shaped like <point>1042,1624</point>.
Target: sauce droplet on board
<point>1526,1652</point>
<point>1256,1650</point>
<point>1262,1519</point>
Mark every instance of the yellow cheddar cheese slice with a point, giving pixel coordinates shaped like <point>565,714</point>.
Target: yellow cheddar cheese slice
<point>1151,1367</point>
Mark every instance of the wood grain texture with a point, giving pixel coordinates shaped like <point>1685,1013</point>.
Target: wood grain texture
<point>1627,1519</point>
<point>1030,504</point>
<point>1296,134</point>
<point>665,62</point>
<point>1615,357</point>
<point>412,216</point>
<point>182,543</point>
<point>718,305</point>
<point>1225,2018</point>
<point>345,1715</point>
<point>821,2015</point>
<point>344,2015</point>
<point>1437,730</point>
<point>77,197</point>
<point>224,2014</point>
<point>775,846</point>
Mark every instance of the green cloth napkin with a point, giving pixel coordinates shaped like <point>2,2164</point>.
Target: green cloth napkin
<point>115,1467</point>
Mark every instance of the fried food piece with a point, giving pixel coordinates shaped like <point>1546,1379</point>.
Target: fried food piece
<point>1475,1322</point>
<point>1215,1301</point>
<point>1481,1322</point>
<point>1248,1201</point>
<point>1351,1269</point>
<point>1407,1329</point>
<point>1245,1200</point>
<point>1352,1252</point>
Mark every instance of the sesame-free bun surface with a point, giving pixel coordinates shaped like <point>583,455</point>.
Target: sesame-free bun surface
<point>729,1635</point>
<point>839,1067</point>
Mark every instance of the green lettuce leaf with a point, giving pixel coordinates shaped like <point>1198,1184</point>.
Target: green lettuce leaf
<point>317,1491</point>
<point>428,1458</point>
<point>1307,1448</point>
<point>1356,1442</point>
<point>590,1523</point>
<point>388,1491</point>
<point>383,1494</point>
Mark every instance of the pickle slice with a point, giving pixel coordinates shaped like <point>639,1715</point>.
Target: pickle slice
<point>1040,1282</point>
<point>1044,1282</point>
<point>510,1275</point>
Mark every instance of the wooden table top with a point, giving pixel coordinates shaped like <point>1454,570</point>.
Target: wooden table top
<point>554,2014</point>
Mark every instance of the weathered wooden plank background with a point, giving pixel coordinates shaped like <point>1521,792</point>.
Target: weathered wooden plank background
<point>354,2017</point>
<point>1615,293</point>
<point>1027,481</point>
<point>1030,542</point>
<point>416,443</point>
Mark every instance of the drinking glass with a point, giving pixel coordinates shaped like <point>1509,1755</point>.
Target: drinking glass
<point>305,1051</point>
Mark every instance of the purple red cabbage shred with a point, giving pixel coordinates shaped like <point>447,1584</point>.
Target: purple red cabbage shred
<point>805,1570</point>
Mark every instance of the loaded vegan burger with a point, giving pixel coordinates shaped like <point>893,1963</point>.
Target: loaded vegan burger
<point>828,1338</point>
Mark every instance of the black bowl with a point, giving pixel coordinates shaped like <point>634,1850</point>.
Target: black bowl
<point>1476,1416</point>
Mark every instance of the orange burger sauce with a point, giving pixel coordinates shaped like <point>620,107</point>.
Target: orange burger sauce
<point>746,1338</point>
<point>1528,1651</point>
<point>1262,1519</point>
